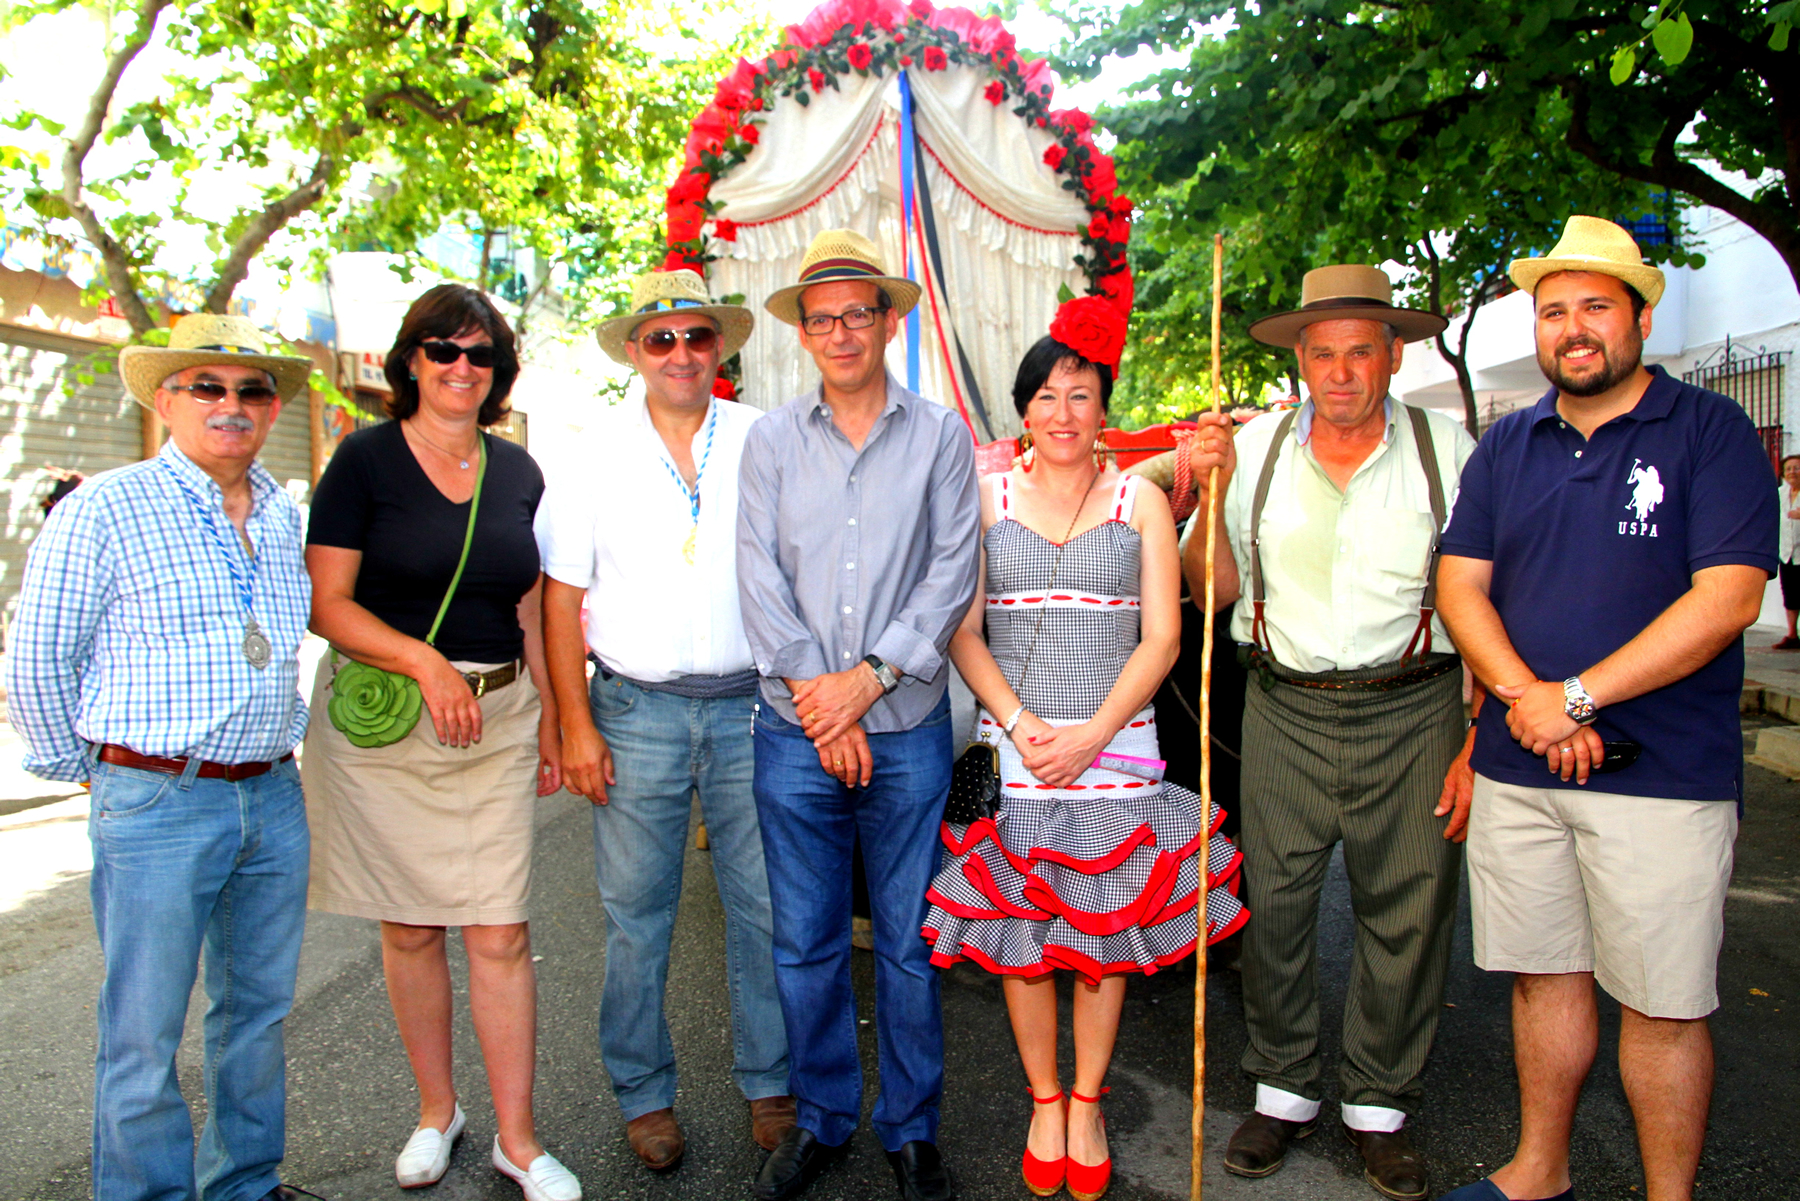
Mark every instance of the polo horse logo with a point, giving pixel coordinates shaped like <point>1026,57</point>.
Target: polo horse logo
<point>1646,489</point>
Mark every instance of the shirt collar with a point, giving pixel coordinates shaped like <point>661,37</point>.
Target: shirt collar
<point>262,484</point>
<point>898,397</point>
<point>1303,423</point>
<point>1657,402</point>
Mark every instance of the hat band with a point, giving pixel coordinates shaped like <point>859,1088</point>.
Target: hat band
<point>1347,302</point>
<point>228,349</point>
<point>840,269</point>
<point>663,306</point>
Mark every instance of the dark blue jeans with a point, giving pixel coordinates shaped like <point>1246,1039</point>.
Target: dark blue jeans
<point>809,827</point>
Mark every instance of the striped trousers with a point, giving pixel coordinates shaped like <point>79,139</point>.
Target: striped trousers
<point>1365,769</point>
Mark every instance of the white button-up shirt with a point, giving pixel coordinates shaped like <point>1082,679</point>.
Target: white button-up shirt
<point>616,522</point>
<point>1790,528</point>
<point>1343,571</point>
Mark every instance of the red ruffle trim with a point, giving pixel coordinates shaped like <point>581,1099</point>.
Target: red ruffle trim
<point>1068,959</point>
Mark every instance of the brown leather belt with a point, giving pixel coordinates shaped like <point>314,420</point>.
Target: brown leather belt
<point>483,682</point>
<point>124,756</point>
<point>1405,679</point>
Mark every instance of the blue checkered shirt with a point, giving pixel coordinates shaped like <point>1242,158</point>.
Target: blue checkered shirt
<point>131,629</point>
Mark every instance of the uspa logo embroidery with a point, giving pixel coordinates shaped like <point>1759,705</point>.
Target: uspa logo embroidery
<point>1646,493</point>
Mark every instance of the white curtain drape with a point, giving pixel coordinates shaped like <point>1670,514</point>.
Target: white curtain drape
<point>1006,227</point>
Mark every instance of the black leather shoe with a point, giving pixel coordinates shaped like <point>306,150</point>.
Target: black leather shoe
<point>922,1173</point>
<point>1259,1146</point>
<point>795,1163</point>
<point>1390,1164</point>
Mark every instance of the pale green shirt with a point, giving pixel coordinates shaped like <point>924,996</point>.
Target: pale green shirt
<point>1343,571</point>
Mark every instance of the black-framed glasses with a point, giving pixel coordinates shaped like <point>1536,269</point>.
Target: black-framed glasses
<point>444,353</point>
<point>211,392</point>
<point>818,324</point>
<point>659,342</point>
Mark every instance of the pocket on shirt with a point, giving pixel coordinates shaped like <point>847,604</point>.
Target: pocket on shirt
<point>1397,542</point>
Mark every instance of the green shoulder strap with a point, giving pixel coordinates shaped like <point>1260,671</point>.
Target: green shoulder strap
<point>468,540</point>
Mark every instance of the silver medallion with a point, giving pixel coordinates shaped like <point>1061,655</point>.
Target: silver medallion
<point>257,650</point>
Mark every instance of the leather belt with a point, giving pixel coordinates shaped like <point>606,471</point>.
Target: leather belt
<point>124,756</point>
<point>1405,679</point>
<point>483,682</point>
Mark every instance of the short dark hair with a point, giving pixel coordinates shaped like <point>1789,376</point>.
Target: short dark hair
<point>445,312</point>
<point>1786,459</point>
<point>1045,355</point>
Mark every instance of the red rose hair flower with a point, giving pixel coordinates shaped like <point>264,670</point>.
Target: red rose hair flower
<point>1092,327</point>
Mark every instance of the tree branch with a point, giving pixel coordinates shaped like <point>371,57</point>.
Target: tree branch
<point>256,235</point>
<point>1667,169</point>
<point>112,255</point>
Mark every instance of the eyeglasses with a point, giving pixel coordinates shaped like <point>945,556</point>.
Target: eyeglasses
<point>819,323</point>
<point>445,353</point>
<point>659,342</point>
<point>211,392</point>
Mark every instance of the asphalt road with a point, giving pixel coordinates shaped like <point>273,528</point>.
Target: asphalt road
<point>351,1100</point>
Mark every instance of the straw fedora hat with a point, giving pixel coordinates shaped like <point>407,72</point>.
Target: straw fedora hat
<point>206,340</point>
<point>659,293</point>
<point>1597,245</point>
<point>1347,292</point>
<point>842,254</point>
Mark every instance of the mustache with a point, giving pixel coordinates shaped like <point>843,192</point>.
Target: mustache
<point>236,423</point>
<point>1580,342</point>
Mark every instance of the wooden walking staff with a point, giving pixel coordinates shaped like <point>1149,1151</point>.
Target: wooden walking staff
<point>1206,654</point>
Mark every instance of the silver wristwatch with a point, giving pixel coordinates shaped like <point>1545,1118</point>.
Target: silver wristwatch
<point>884,674</point>
<point>1577,703</point>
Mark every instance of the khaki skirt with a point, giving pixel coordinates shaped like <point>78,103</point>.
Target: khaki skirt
<point>420,833</point>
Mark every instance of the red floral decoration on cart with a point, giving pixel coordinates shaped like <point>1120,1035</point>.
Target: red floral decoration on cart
<point>878,37</point>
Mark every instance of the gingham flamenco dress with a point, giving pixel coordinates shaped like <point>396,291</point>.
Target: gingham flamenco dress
<point>1102,876</point>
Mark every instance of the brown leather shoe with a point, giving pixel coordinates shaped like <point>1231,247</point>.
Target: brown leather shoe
<point>770,1118</point>
<point>656,1137</point>
<point>1390,1164</point>
<point>1259,1146</point>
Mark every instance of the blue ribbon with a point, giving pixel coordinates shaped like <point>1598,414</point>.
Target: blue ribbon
<point>907,166</point>
<point>246,585</point>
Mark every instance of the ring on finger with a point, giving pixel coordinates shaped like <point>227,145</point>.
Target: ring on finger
<point>1568,750</point>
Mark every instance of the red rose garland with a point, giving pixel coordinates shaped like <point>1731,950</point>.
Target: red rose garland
<point>880,36</point>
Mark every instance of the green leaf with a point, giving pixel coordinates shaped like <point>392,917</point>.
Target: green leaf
<point>1624,60</point>
<point>1064,294</point>
<point>1673,40</point>
<point>1779,39</point>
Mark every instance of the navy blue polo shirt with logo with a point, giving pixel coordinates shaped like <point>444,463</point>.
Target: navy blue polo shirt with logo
<point>1591,540</point>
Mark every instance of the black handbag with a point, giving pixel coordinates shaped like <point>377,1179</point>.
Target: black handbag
<point>974,784</point>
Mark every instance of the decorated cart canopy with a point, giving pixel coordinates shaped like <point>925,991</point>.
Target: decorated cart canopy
<point>923,129</point>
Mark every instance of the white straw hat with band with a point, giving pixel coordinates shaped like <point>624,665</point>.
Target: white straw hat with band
<point>1597,245</point>
<point>210,340</point>
<point>659,293</point>
<point>842,255</point>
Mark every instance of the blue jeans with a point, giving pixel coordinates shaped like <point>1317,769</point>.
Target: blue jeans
<point>810,823</point>
<point>182,864</point>
<point>664,747</point>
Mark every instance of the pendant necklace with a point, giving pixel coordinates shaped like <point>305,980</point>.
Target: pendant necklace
<point>461,461</point>
<point>256,647</point>
<point>693,494</point>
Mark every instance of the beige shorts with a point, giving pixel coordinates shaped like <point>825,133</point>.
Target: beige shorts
<point>1629,888</point>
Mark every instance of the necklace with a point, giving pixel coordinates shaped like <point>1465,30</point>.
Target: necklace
<point>462,461</point>
<point>693,495</point>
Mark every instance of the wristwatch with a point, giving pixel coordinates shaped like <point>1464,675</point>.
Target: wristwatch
<point>1577,703</point>
<point>884,675</point>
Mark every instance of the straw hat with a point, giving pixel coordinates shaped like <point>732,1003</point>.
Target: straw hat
<point>210,340</point>
<point>1348,292</point>
<point>842,254</point>
<point>660,293</point>
<point>1597,245</point>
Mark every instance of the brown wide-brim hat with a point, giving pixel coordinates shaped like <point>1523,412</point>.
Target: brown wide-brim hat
<point>838,255</point>
<point>1593,244</point>
<point>660,293</point>
<point>1346,292</point>
<point>210,340</point>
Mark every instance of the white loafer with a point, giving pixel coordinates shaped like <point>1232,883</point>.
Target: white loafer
<point>544,1180</point>
<point>427,1154</point>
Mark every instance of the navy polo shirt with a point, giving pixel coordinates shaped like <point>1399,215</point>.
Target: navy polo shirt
<point>1591,540</point>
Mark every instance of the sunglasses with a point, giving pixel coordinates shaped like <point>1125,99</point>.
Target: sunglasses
<point>659,342</point>
<point>211,392</point>
<point>445,353</point>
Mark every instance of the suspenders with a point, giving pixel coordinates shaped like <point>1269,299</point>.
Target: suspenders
<point>1434,485</point>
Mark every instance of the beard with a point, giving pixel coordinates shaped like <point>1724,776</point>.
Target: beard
<point>1612,367</point>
